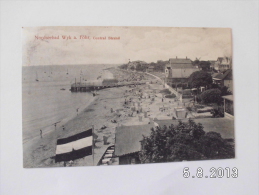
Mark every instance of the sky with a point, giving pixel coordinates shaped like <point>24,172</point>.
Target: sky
<point>147,44</point>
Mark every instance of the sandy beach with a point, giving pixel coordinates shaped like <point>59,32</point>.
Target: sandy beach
<point>126,105</point>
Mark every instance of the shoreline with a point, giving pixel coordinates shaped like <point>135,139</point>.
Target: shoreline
<point>49,139</point>
<point>108,105</point>
<point>65,120</point>
<point>40,152</point>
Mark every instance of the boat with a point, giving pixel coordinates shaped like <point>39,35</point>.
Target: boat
<point>62,89</point>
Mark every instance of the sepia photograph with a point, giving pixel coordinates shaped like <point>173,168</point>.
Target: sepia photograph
<point>167,89</point>
<point>100,96</point>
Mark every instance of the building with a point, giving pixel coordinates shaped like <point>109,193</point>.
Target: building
<point>224,79</point>
<point>212,63</point>
<point>127,142</point>
<point>128,138</point>
<point>178,70</point>
<point>228,106</point>
<point>222,64</point>
<point>162,62</point>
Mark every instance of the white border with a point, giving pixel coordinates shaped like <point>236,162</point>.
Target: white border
<point>164,178</point>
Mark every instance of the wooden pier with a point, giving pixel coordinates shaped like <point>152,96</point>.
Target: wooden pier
<point>92,86</point>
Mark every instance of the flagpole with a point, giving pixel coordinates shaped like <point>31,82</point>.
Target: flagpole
<point>93,143</point>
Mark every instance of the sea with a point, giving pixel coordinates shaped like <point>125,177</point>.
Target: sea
<point>47,99</point>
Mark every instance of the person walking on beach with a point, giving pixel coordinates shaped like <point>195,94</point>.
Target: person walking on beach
<point>77,110</point>
<point>63,127</point>
<point>40,133</point>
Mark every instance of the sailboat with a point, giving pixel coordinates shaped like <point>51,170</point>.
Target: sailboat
<point>37,77</point>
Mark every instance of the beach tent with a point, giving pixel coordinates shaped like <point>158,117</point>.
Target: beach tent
<point>74,147</point>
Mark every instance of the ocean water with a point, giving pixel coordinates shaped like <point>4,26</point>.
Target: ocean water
<point>43,101</point>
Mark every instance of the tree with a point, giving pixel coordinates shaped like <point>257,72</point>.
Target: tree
<point>185,141</point>
<point>211,96</point>
<point>224,90</point>
<point>123,66</point>
<point>132,68</point>
<point>141,67</point>
<point>160,66</point>
<point>200,78</point>
<point>205,65</point>
<point>196,62</point>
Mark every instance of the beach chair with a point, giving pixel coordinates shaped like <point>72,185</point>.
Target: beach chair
<point>106,160</point>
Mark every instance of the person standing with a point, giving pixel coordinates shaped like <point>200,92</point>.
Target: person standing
<point>40,133</point>
<point>63,127</point>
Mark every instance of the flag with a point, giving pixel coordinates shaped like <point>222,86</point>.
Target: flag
<point>74,147</point>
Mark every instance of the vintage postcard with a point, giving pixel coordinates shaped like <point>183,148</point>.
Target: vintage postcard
<point>101,96</point>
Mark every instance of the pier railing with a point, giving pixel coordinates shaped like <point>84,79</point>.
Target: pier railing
<point>84,87</point>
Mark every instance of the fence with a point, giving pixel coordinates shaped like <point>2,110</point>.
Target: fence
<point>177,94</point>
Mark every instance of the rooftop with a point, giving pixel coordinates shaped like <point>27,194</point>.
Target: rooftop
<point>128,138</point>
<point>229,97</point>
<point>177,63</point>
<point>226,75</point>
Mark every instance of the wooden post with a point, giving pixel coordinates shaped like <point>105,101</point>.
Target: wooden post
<point>224,106</point>
<point>93,143</point>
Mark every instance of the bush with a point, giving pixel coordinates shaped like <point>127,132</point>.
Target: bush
<point>211,96</point>
<point>200,78</point>
<point>165,91</point>
<point>170,96</point>
<point>218,112</point>
<point>187,96</point>
<point>123,66</point>
<point>225,91</point>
